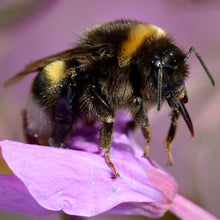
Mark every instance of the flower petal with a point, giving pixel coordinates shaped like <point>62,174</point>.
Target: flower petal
<point>14,197</point>
<point>80,183</point>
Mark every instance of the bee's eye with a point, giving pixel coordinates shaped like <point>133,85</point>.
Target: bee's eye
<point>164,63</point>
<point>165,82</point>
<point>165,78</point>
<point>169,70</point>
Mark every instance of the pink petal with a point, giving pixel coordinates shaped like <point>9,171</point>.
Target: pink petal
<point>16,198</point>
<point>80,183</point>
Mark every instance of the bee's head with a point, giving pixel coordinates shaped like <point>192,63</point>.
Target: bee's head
<point>169,71</point>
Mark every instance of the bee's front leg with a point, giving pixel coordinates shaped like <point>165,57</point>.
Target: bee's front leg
<point>140,115</point>
<point>171,135</point>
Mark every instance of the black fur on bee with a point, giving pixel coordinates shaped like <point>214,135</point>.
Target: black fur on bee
<point>120,64</point>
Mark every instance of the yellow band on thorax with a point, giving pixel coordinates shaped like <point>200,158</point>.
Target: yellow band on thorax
<point>136,38</point>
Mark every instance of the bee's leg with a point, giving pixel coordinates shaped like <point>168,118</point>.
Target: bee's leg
<point>140,115</point>
<point>99,106</point>
<point>106,131</point>
<point>63,123</point>
<point>63,118</point>
<point>171,135</point>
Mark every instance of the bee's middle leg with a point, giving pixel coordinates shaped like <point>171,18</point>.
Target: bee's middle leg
<point>140,115</point>
<point>102,110</point>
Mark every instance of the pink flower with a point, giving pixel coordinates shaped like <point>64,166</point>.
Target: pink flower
<point>78,182</point>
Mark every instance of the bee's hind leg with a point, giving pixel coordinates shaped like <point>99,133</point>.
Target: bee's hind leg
<point>63,118</point>
<point>63,123</point>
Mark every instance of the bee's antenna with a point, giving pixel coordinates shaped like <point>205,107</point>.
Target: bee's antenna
<point>192,49</point>
<point>159,88</point>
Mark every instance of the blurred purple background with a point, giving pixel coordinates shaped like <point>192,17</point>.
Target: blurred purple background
<point>31,30</point>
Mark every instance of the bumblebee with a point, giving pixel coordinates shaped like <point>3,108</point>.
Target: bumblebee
<point>121,64</point>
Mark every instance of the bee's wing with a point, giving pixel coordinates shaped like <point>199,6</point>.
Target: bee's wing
<point>39,64</point>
